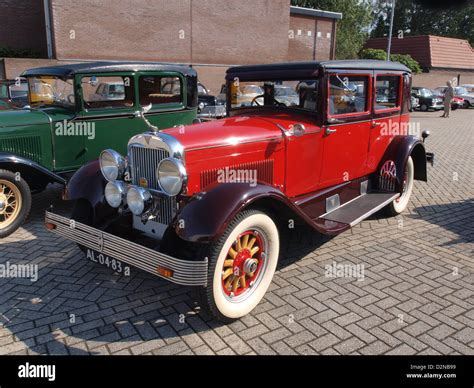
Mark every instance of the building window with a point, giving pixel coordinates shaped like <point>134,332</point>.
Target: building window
<point>158,90</point>
<point>387,94</point>
<point>348,94</point>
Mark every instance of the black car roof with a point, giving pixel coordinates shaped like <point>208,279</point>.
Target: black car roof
<point>69,70</point>
<point>301,70</point>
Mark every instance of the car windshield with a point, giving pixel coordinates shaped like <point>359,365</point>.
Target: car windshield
<point>19,91</point>
<point>51,91</point>
<point>285,92</point>
<point>281,93</point>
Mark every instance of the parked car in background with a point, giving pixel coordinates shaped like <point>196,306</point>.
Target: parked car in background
<point>13,94</point>
<point>209,206</point>
<point>68,125</point>
<point>415,103</point>
<point>427,99</point>
<point>460,92</point>
<point>109,91</point>
<point>286,95</point>
<point>247,95</point>
<point>456,102</point>
<point>209,106</point>
<point>469,88</point>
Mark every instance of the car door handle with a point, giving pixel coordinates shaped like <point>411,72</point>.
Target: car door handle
<point>376,124</point>
<point>328,131</point>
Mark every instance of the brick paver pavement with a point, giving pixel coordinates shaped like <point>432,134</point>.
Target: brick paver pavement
<point>417,295</point>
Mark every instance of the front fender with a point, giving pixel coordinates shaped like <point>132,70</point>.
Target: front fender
<point>399,150</point>
<point>88,184</point>
<point>36,175</point>
<point>206,216</point>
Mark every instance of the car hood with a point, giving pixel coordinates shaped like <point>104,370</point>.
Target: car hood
<point>20,117</point>
<point>230,131</point>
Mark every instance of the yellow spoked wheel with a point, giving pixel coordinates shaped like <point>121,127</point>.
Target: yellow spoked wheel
<point>243,263</point>
<point>10,203</point>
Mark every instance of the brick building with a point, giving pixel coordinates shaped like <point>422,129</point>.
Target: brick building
<point>210,34</point>
<point>441,58</point>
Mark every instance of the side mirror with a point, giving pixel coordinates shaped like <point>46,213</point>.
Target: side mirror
<point>425,134</point>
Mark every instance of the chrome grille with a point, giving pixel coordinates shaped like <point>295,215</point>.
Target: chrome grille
<point>144,162</point>
<point>167,209</point>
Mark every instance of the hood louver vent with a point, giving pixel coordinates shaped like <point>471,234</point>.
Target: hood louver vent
<point>262,169</point>
<point>27,146</point>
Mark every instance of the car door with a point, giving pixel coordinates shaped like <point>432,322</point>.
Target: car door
<point>386,115</point>
<point>347,126</point>
<point>166,91</point>
<point>108,119</point>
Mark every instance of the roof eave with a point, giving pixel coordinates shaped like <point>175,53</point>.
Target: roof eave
<point>314,13</point>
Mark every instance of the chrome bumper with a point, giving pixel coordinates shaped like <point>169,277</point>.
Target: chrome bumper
<point>188,273</point>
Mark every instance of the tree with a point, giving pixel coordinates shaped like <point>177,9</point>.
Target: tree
<point>381,55</point>
<point>352,30</point>
<point>420,17</point>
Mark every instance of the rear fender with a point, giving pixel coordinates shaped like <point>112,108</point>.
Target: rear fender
<point>392,166</point>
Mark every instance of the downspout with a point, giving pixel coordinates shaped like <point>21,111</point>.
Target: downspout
<point>47,23</point>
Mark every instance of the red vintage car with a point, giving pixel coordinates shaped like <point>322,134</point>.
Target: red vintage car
<point>207,205</point>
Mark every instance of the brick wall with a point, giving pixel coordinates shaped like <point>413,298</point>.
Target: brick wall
<point>22,25</point>
<point>247,31</point>
<point>437,78</point>
<point>310,38</point>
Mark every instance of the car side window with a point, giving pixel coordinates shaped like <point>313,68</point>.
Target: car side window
<point>348,94</point>
<point>387,92</point>
<point>110,92</point>
<point>160,90</point>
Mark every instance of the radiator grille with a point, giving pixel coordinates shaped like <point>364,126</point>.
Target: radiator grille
<point>144,162</point>
<point>27,146</point>
<point>263,169</point>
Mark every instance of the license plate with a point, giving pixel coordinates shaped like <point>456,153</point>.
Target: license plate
<point>109,262</point>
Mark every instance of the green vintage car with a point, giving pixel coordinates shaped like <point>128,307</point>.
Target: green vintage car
<point>75,112</point>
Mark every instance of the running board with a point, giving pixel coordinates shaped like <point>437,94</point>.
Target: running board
<point>358,209</point>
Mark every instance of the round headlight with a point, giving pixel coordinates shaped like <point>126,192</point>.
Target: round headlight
<point>201,106</point>
<point>112,165</point>
<point>171,176</point>
<point>114,192</point>
<point>137,197</point>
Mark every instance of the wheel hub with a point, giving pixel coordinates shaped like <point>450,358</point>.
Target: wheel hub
<point>242,264</point>
<point>10,203</point>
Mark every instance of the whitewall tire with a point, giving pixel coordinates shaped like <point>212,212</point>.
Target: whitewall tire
<point>400,204</point>
<point>241,266</point>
